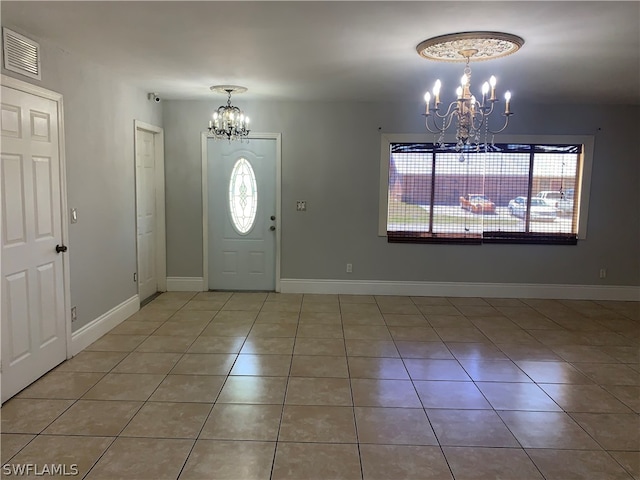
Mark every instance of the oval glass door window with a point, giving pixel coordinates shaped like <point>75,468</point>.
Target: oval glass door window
<point>243,196</point>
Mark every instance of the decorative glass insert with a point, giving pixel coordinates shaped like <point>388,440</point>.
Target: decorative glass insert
<point>243,196</point>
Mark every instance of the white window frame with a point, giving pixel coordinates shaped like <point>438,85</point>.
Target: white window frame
<point>584,182</point>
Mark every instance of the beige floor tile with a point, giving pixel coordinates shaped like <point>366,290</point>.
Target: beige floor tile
<point>430,301</point>
<point>566,464</point>
<point>477,310</point>
<point>320,298</point>
<point>547,430</point>
<point>607,374</point>
<point>447,309</point>
<point>478,463</point>
<point>12,443</point>
<point>355,318</point>
<point>400,309</point>
<point>623,354</point>
<point>166,344</point>
<point>116,343</point>
<point>448,334</point>
<point>414,334</point>
<point>268,346</point>
<point>249,306</point>
<point>249,296</point>
<point>510,336</point>
<point>95,418</point>
<point>403,462</point>
<point>56,384</point>
<point>254,390</point>
<point>517,396</point>
<point>584,398</point>
<point>168,420</point>
<point>504,302</point>
<point>26,415</point>
<point>87,361</point>
<point>319,391</point>
<point>289,307</point>
<point>285,297</point>
<point>273,330</point>
<point>448,321</point>
<point>529,353</point>
<point>319,346</point>
<point>181,329</point>
<point>467,301</point>
<point>614,431</point>
<point>384,393</point>
<point>393,299</point>
<point>384,368</point>
<point>66,451</point>
<point>553,338</point>
<point>187,316</point>
<point>151,315</point>
<point>394,426</point>
<point>235,316</point>
<point>311,330</point>
<point>142,459</point>
<point>582,353</point>
<point>142,362</point>
<point>434,369</point>
<point>630,461</point>
<point>227,329</point>
<point>493,370</point>
<point>316,461</point>
<point>371,348</point>
<point>132,327</point>
<point>456,395</point>
<point>307,423</point>
<point>366,332</point>
<point>262,365</point>
<point>627,394</point>
<point>204,364</point>
<point>470,428</point>
<point>480,351</point>
<point>357,299</point>
<point>319,366</point>
<point>188,388</point>
<point>553,372</point>
<point>124,386</point>
<point>360,308</point>
<point>321,318</point>
<point>217,345</point>
<point>243,422</point>
<point>230,460</point>
<point>320,307</point>
<point>404,320</point>
<point>278,317</point>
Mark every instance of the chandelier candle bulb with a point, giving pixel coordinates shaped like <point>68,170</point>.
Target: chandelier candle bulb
<point>436,92</point>
<point>427,99</point>
<point>507,100</point>
<point>492,82</point>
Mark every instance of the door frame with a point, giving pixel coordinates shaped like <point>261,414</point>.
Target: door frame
<point>161,231</point>
<point>205,203</point>
<point>38,91</point>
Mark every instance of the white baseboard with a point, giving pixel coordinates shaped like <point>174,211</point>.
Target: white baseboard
<point>455,289</point>
<point>185,284</point>
<point>92,331</point>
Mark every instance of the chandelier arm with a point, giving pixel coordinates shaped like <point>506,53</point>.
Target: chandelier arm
<point>452,107</point>
<point>506,122</point>
<point>426,124</point>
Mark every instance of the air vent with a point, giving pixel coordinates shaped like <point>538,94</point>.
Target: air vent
<point>21,54</point>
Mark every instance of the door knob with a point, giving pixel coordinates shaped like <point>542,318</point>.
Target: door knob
<point>61,248</point>
<point>273,217</point>
<point>272,228</point>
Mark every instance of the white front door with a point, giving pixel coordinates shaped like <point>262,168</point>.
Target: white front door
<point>33,297</point>
<point>146,213</point>
<point>242,214</point>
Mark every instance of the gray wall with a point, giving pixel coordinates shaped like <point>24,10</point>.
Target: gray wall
<point>330,158</point>
<point>99,114</point>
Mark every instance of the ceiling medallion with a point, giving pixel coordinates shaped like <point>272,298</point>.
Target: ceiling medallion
<point>472,46</point>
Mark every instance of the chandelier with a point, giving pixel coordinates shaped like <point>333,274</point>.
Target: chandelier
<point>470,113</point>
<point>229,122</point>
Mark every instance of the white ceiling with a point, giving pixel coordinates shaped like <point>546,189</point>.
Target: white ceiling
<point>574,52</point>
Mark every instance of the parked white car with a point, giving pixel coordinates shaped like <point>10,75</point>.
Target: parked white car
<point>565,204</point>
<point>539,210</point>
<point>550,198</point>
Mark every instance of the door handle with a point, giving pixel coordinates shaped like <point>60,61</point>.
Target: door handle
<point>61,248</point>
<point>272,228</point>
<point>273,217</point>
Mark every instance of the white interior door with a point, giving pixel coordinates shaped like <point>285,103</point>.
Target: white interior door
<point>33,296</point>
<point>242,214</point>
<point>146,213</point>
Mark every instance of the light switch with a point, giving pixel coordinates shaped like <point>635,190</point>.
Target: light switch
<point>74,215</point>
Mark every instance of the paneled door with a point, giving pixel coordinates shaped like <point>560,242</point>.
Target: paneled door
<point>34,336</point>
<point>242,219</point>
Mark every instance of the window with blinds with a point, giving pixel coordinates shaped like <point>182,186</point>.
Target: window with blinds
<point>506,193</point>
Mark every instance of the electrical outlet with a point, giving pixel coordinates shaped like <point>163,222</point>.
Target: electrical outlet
<point>603,273</point>
<point>74,314</point>
<point>349,268</point>
<point>301,206</point>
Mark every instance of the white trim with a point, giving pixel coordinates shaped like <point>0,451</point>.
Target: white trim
<point>205,204</point>
<point>185,284</point>
<point>22,86</point>
<point>161,238</point>
<point>585,171</point>
<point>455,289</point>
<point>92,331</point>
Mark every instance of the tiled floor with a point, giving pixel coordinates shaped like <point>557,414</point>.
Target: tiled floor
<point>254,385</point>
